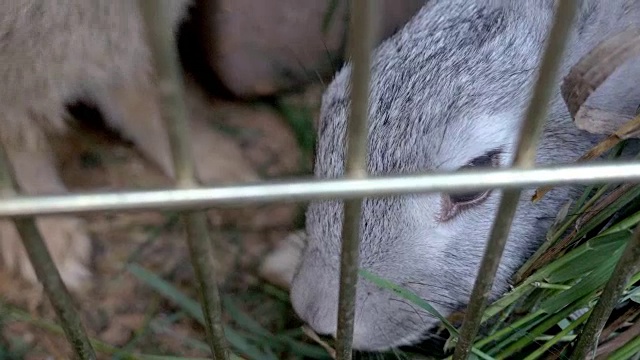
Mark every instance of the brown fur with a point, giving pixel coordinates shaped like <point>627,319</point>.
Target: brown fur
<point>53,52</point>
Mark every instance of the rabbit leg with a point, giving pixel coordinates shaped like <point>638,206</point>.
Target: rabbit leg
<point>136,113</point>
<point>35,172</point>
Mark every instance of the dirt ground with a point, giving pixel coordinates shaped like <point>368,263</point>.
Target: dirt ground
<point>119,305</point>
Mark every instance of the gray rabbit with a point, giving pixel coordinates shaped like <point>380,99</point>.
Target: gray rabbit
<point>447,92</point>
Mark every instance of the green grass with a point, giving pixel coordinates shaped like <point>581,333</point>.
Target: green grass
<point>12,349</point>
<point>12,313</point>
<point>248,337</point>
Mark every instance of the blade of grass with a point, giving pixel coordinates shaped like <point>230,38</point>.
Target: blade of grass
<point>326,19</point>
<point>589,261</point>
<point>15,314</point>
<point>616,283</point>
<point>631,349</point>
<point>580,207</point>
<point>411,296</point>
<point>265,337</point>
<point>539,330</point>
<point>516,334</point>
<point>625,224</point>
<point>525,288</point>
<point>408,295</point>
<point>243,319</point>
<point>598,219</point>
<point>140,333</point>
<point>590,283</point>
<point>522,324</point>
<point>558,337</point>
<point>192,308</point>
<point>235,338</point>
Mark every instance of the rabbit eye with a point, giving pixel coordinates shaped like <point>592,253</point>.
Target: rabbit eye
<point>489,159</point>
<point>466,198</point>
<point>453,204</point>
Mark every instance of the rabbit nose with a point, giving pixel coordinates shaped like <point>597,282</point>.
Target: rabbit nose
<point>318,308</point>
<point>320,318</point>
<point>314,297</point>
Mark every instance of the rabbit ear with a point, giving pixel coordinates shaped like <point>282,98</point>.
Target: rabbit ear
<point>601,85</point>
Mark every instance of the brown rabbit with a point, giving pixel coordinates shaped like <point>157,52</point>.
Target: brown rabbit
<point>53,52</point>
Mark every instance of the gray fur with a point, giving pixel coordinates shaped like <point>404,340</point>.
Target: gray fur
<point>451,85</point>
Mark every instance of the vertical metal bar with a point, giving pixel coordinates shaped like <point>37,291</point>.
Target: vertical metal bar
<point>524,158</point>
<point>628,265</point>
<point>361,38</point>
<point>45,269</point>
<point>171,86</point>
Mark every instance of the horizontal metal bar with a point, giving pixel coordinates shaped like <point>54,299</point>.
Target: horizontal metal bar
<point>308,189</point>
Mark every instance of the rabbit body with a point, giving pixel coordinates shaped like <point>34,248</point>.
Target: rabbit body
<point>55,52</point>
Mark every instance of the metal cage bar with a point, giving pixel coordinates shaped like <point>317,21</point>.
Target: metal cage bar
<point>165,56</point>
<point>524,158</point>
<point>300,190</point>
<point>627,266</point>
<point>45,268</point>
<point>362,27</point>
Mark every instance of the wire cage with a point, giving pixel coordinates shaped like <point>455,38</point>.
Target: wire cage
<point>191,200</point>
